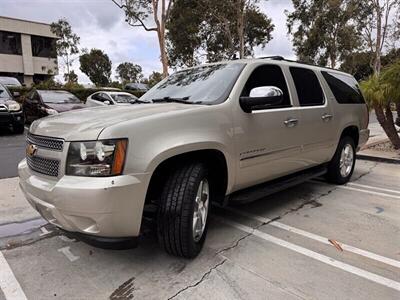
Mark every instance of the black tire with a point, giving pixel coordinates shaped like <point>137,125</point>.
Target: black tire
<point>18,128</point>
<point>334,174</point>
<point>176,209</point>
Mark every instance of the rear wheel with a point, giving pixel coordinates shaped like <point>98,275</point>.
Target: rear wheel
<point>183,211</point>
<point>341,166</point>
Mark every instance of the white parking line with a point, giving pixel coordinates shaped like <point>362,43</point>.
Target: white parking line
<point>8,283</point>
<point>315,255</point>
<point>67,252</point>
<point>44,231</point>
<point>345,187</point>
<point>368,192</point>
<point>373,187</point>
<point>321,239</point>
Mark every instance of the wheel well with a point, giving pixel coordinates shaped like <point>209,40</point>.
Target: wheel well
<point>351,131</point>
<point>217,168</point>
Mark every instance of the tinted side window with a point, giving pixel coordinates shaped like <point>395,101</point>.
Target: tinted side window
<point>307,85</point>
<point>344,88</point>
<point>96,97</point>
<point>268,75</point>
<point>10,43</point>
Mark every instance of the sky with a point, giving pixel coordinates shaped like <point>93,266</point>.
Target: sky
<point>100,24</point>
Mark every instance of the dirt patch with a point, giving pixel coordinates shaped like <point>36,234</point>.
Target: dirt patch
<point>385,147</point>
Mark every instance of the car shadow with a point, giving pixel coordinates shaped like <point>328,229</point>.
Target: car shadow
<point>5,132</point>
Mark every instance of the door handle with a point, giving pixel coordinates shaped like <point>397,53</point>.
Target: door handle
<point>291,122</point>
<point>326,117</point>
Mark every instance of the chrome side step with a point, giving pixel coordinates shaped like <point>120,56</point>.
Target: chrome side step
<point>264,189</point>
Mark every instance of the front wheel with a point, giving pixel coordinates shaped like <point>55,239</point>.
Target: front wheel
<point>183,211</point>
<point>341,166</point>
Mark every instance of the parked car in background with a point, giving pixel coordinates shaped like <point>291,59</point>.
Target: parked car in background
<point>42,103</point>
<point>110,98</point>
<point>10,81</point>
<point>11,114</point>
<point>140,87</point>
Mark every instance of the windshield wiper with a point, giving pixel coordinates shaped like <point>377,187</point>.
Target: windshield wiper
<point>173,99</point>
<point>134,101</point>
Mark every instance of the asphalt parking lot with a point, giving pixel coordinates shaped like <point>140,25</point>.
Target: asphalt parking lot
<point>12,151</point>
<point>314,241</point>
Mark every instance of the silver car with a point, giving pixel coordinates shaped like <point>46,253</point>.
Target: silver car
<point>103,98</point>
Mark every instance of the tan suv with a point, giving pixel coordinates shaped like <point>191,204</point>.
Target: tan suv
<point>229,131</point>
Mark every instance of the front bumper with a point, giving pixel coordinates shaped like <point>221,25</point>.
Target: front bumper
<point>11,118</point>
<point>98,206</point>
<point>363,138</point>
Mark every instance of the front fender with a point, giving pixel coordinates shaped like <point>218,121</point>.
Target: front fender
<point>193,147</point>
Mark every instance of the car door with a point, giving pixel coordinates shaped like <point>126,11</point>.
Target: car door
<point>105,97</point>
<point>267,141</point>
<point>316,117</point>
<point>94,100</point>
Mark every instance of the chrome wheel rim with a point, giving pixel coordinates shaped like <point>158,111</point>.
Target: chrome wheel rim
<point>201,210</point>
<point>346,160</point>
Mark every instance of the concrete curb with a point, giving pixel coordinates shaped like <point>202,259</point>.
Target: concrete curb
<point>378,159</point>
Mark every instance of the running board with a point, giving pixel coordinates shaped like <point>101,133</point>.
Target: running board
<point>265,189</point>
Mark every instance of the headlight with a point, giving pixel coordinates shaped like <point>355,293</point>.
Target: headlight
<point>51,111</point>
<point>13,106</point>
<point>97,158</point>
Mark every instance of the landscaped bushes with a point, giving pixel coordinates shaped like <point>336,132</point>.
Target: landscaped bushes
<point>81,93</point>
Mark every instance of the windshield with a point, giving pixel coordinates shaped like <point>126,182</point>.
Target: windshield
<point>4,92</point>
<point>209,84</point>
<point>58,97</point>
<point>123,98</point>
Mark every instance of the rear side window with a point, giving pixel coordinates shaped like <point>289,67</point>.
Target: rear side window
<point>344,88</point>
<point>268,75</point>
<point>307,85</point>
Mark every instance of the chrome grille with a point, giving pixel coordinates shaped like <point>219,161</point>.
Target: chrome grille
<point>3,107</point>
<point>43,165</point>
<point>45,142</point>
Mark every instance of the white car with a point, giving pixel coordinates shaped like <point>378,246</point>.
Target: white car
<point>104,98</point>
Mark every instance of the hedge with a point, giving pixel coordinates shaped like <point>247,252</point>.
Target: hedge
<point>81,93</point>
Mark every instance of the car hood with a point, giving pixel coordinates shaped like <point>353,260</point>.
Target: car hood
<point>87,124</point>
<point>63,107</point>
<point>4,100</point>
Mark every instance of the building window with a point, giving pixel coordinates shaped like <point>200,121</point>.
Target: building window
<point>10,43</point>
<point>43,46</point>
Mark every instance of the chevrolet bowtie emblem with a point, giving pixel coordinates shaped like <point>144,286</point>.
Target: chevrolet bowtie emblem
<point>31,150</point>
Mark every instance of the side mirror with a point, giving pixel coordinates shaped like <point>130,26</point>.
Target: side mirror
<point>261,97</point>
<point>107,102</point>
<point>16,94</point>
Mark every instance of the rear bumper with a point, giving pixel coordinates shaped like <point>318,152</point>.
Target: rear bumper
<point>108,207</point>
<point>363,138</point>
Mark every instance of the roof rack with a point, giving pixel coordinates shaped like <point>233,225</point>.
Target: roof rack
<point>275,57</point>
<point>278,57</point>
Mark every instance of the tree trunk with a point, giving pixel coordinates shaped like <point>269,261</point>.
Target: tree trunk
<point>398,113</point>
<point>67,68</point>
<point>163,52</point>
<point>385,119</point>
<point>377,58</point>
<point>240,27</point>
<point>333,60</point>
